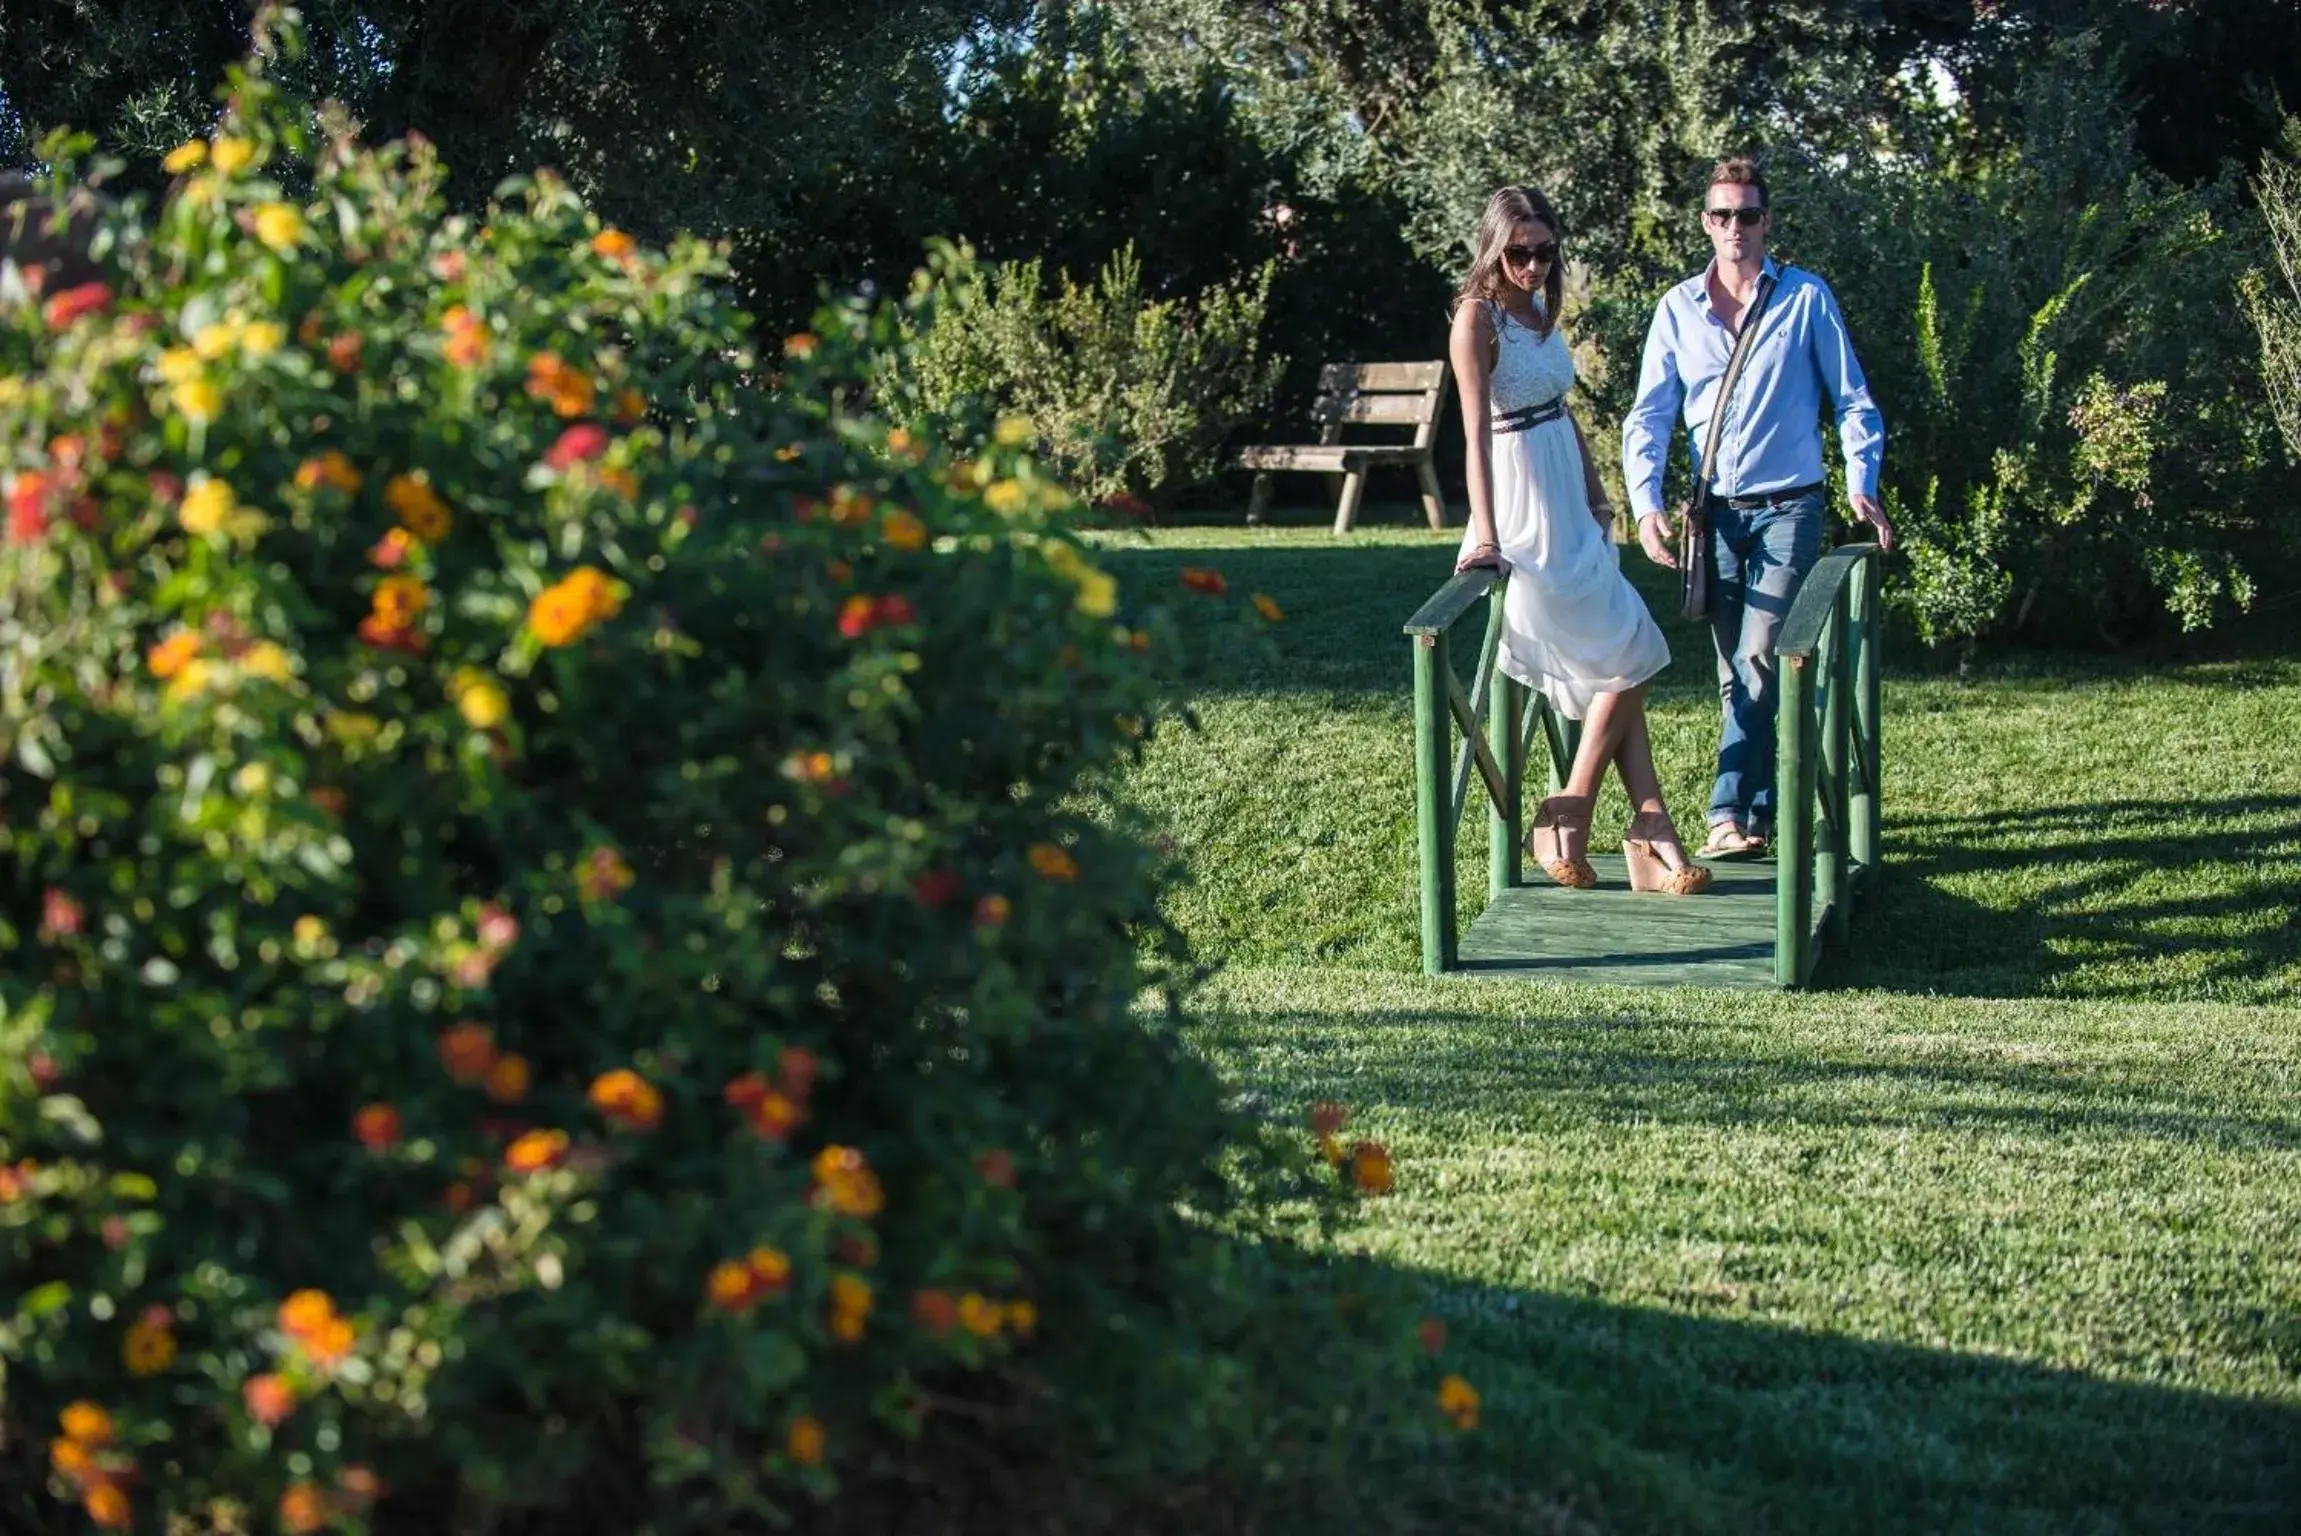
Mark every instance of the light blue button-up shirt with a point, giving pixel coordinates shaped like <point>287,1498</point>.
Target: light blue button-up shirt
<point>1772,439</point>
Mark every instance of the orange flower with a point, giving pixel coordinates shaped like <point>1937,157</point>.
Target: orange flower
<point>173,654</point>
<point>107,1505</point>
<point>536,1151</point>
<point>393,549</point>
<point>1328,1117</point>
<point>772,1114</point>
<point>269,1398</point>
<point>903,530</point>
<point>332,469</point>
<point>303,1509</point>
<point>733,1286</point>
<point>604,875</point>
<point>630,407</point>
<point>569,390</point>
<point>305,1313</point>
<point>71,1460</point>
<point>507,1077</point>
<point>466,337</point>
<point>1267,606</point>
<point>1209,582</point>
<point>771,1267</point>
<point>331,1343</point>
<point>623,1096</point>
<point>1431,1335</point>
<point>399,601</point>
<point>377,1126</point>
<point>418,507</point>
<point>467,1051</point>
<point>993,911</point>
<point>846,1183</point>
<point>344,351</point>
<point>805,1441</point>
<point>1053,863</point>
<point>800,344</point>
<point>87,1423</point>
<point>850,1306</point>
<point>614,244</point>
<point>1458,1400</point>
<point>980,1315</point>
<point>565,611</point>
<point>1370,1167</point>
<point>1022,1317</point>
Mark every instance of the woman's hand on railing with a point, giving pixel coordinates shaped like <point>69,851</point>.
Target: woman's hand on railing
<point>1480,556</point>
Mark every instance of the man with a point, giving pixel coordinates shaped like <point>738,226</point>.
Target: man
<point>1767,493</point>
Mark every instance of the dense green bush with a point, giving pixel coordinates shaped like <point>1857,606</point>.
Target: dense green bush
<point>555,980</point>
<point>1129,395</point>
<point>2075,431</point>
<point>2273,298</point>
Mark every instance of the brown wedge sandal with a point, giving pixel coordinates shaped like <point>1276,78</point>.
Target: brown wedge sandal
<point>1650,832</point>
<point>1546,842</point>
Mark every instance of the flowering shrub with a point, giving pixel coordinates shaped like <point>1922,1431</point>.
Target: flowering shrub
<point>551,969</point>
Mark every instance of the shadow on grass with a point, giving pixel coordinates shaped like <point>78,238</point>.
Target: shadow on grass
<point>1686,1424</point>
<point>2205,895</point>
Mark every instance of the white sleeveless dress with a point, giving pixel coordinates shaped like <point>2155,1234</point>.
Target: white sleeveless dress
<point>1573,625</point>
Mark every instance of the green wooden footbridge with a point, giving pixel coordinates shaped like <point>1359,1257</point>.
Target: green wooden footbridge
<point>1761,924</point>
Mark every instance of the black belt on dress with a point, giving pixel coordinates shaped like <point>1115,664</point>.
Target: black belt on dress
<point>1771,498</point>
<point>1530,416</point>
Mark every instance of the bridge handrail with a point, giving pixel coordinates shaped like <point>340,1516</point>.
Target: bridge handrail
<point>1801,631</point>
<point>1453,600</point>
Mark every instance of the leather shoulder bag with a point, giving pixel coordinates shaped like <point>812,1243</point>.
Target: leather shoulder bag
<point>1697,563</point>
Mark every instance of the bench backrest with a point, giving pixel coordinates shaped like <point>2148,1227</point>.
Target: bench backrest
<point>1380,394</point>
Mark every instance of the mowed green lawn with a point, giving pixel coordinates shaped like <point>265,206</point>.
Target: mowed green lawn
<point>1997,1230</point>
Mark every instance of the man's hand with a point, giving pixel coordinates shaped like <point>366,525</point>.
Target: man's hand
<point>1654,538</point>
<point>1867,509</point>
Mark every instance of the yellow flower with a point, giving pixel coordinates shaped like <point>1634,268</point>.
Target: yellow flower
<point>1012,431</point>
<point>1053,863</point>
<point>1006,497</point>
<point>904,531</point>
<point>805,1441</point>
<point>173,654</point>
<point>1098,595</point>
<point>193,680</point>
<point>197,400</point>
<point>261,338</point>
<point>268,661</point>
<point>149,1347</point>
<point>206,507</point>
<point>979,1315</point>
<point>1458,1400</point>
<point>1267,606</point>
<point>179,365</point>
<point>477,698</point>
<point>187,156</point>
<point>850,1293</point>
<point>231,156</point>
<point>1022,1317</point>
<point>214,339</point>
<point>311,932</point>
<point>418,506</point>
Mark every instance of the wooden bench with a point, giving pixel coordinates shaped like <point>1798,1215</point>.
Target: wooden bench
<point>1361,394</point>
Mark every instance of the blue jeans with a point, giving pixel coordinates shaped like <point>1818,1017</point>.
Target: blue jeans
<point>1762,554</point>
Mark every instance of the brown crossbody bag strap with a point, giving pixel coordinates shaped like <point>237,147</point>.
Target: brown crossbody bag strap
<point>1696,561</point>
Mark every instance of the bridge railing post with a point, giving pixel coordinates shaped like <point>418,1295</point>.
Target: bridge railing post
<point>1433,816</point>
<point>1794,822</point>
<point>1505,822</point>
<point>1830,895</point>
<point>1862,813</point>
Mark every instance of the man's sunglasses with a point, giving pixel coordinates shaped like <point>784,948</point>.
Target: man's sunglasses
<point>1746,217</point>
<point>1521,255</point>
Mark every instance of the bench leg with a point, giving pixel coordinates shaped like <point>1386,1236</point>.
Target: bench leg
<point>1258,501</point>
<point>1353,487</point>
<point>1433,504</point>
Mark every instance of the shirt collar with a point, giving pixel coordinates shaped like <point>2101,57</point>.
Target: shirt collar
<point>1698,286</point>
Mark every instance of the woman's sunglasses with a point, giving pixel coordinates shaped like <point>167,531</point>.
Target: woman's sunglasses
<point>1522,255</point>
<point>1746,217</point>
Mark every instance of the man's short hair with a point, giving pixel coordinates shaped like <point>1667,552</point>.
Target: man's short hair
<point>1741,171</point>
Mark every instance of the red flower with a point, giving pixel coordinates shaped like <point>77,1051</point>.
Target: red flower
<point>390,637</point>
<point>579,444</point>
<point>795,1067</point>
<point>27,507</point>
<point>896,610</point>
<point>1209,582</point>
<point>1433,1335</point>
<point>935,1311</point>
<point>72,303</point>
<point>377,1126</point>
<point>997,1169</point>
<point>935,887</point>
<point>857,616</point>
<point>60,916</point>
<point>498,929</point>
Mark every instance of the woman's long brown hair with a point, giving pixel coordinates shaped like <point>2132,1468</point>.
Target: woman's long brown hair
<point>1504,210</point>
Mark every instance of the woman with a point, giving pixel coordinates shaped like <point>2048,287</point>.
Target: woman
<point>1573,627</point>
